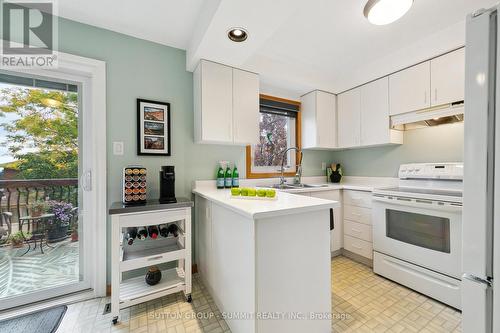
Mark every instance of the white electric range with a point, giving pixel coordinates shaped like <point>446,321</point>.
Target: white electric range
<point>417,230</point>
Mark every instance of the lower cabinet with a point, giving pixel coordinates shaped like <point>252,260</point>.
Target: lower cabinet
<point>358,235</point>
<point>336,239</point>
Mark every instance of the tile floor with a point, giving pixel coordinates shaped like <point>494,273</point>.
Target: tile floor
<point>362,302</point>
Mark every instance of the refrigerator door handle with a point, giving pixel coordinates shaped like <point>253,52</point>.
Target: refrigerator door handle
<point>476,279</point>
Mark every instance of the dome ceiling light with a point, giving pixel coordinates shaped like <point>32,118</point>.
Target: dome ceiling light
<point>382,12</point>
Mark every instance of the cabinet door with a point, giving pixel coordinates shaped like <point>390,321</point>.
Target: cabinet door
<point>337,234</point>
<point>409,89</point>
<point>448,78</point>
<point>349,104</point>
<point>326,123</point>
<point>375,112</point>
<point>245,107</point>
<point>216,102</point>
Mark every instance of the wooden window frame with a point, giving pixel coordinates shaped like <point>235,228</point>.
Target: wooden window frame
<point>298,131</point>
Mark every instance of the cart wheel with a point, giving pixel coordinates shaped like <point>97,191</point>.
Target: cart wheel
<point>189,299</point>
<point>115,320</point>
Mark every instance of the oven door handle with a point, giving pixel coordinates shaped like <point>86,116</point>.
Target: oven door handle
<point>419,204</point>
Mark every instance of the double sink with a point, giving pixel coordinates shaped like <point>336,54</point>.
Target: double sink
<point>294,186</point>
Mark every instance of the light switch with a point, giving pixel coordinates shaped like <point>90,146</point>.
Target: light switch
<point>117,148</point>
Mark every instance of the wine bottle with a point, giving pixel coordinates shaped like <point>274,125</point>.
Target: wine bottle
<point>131,235</point>
<point>236,177</point>
<point>163,230</point>
<point>142,233</point>
<point>220,177</point>
<point>173,229</point>
<point>228,177</point>
<point>153,231</point>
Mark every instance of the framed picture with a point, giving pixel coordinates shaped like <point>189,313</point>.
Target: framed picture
<point>153,128</point>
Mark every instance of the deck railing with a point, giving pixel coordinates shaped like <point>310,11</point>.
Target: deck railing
<point>17,195</point>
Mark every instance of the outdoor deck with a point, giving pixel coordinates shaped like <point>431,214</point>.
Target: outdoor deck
<point>34,271</point>
<point>24,272</point>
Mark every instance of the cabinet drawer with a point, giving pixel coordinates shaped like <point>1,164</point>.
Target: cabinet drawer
<point>152,218</point>
<point>358,246</point>
<point>358,214</point>
<point>358,198</point>
<point>358,230</point>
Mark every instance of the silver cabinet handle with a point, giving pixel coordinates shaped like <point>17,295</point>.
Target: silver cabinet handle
<point>155,258</point>
<point>425,97</point>
<point>435,94</point>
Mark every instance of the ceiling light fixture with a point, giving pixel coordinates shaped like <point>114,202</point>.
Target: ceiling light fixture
<point>382,12</point>
<point>237,34</point>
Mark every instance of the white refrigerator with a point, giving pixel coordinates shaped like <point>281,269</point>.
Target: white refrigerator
<point>481,205</point>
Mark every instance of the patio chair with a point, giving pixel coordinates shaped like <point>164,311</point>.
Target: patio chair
<point>6,219</point>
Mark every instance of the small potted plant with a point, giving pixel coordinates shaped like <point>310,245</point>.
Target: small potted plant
<point>58,225</point>
<point>38,208</point>
<point>17,239</point>
<point>74,233</point>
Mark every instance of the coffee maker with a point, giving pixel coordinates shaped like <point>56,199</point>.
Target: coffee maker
<point>167,184</point>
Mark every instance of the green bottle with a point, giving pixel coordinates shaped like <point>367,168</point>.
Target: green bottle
<point>220,177</point>
<point>236,177</point>
<point>228,177</point>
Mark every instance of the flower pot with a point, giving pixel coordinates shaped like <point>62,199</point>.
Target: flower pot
<point>74,236</point>
<point>16,245</point>
<point>57,233</point>
<point>36,212</point>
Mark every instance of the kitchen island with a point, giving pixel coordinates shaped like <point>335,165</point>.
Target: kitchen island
<point>266,263</point>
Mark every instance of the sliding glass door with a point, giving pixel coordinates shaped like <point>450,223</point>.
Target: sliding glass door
<point>44,231</point>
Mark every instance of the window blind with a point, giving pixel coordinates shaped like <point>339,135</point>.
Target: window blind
<point>278,108</point>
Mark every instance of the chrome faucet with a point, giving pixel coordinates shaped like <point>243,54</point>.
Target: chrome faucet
<point>298,173</point>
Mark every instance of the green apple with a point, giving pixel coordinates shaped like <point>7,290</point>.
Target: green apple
<point>244,192</point>
<point>261,192</point>
<point>235,191</point>
<point>270,193</point>
<point>252,192</point>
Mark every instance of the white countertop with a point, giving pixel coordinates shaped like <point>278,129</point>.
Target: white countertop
<point>287,202</point>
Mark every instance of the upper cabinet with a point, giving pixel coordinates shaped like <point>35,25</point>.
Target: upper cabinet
<point>410,89</point>
<point>245,107</point>
<point>349,118</point>
<point>375,122</point>
<point>319,120</point>
<point>448,78</point>
<point>226,105</point>
<point>432,83</point>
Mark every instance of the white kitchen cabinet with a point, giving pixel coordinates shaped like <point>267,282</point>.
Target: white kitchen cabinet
<point>319,120</point>
<point>226,104</point>
<point>349,114</point>
<point>337,234</point>
<point>357,224</point>
<point>375,122</point>
<point>409,89</point>
<point>448,77</point>
<point>245,107</point>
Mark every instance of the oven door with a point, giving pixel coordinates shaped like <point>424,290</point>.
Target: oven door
<point>425,233</point>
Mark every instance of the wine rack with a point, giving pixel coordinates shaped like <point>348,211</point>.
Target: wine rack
<point>149,252</point>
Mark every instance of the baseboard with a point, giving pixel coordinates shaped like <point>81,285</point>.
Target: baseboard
<point>357,258</point>
<point>194,270</point>
<point>336,253</point>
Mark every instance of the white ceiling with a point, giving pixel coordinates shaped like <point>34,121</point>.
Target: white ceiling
<point>296,45</point>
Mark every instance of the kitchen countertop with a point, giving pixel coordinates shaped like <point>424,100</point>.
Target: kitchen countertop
<point>285,204</point>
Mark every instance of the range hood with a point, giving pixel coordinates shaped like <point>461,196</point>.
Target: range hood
<point>438,115</point>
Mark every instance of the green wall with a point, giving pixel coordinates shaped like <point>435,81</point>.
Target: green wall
<point>443,143</point>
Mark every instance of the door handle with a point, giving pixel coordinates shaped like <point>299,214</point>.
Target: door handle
<point>332,220</point>
<point>86,180</point>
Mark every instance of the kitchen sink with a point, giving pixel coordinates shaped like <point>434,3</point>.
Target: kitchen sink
<point>295,186</point>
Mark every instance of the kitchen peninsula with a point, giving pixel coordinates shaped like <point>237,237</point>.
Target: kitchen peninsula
<point>266,263</point>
